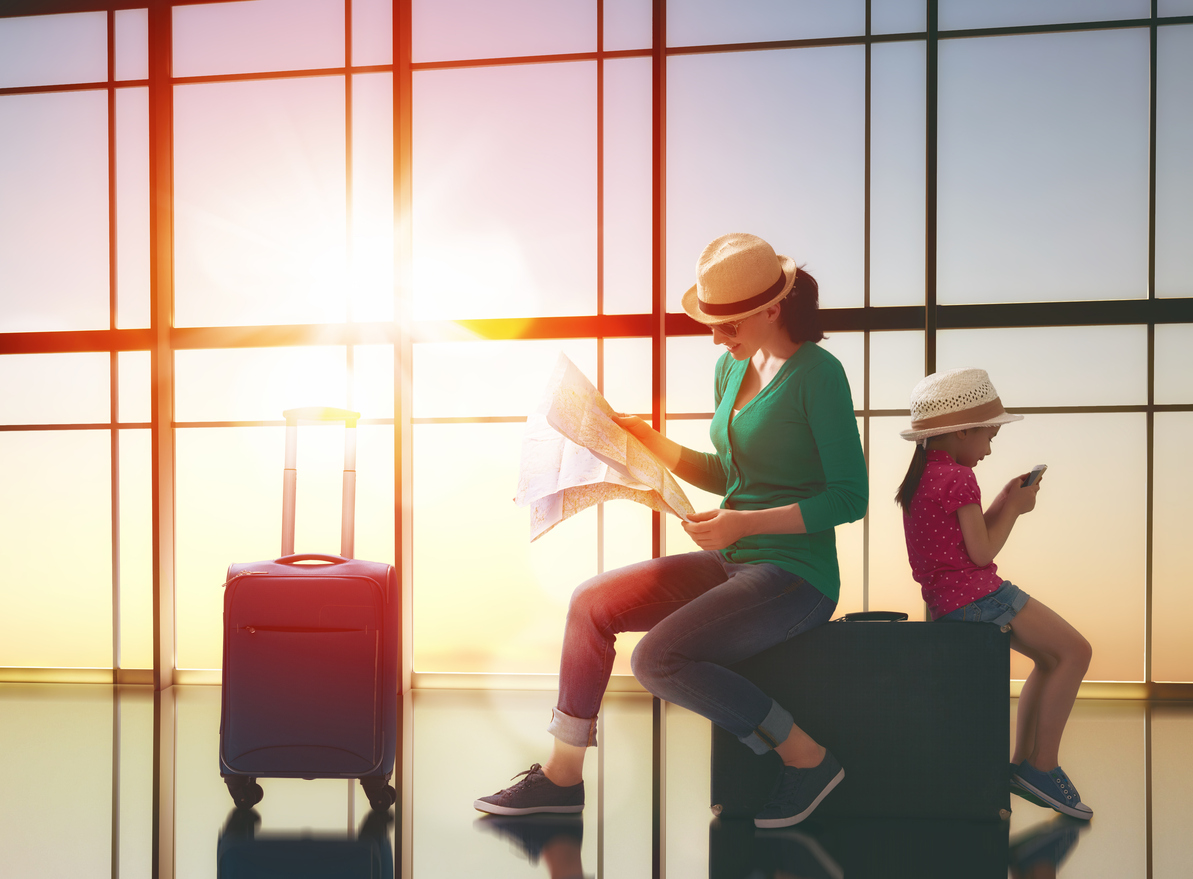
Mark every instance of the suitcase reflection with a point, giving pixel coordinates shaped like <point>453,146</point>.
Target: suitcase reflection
<point>245,853</point>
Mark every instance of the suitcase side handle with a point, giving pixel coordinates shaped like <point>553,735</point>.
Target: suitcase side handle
<point>872,616</point>
<point>311,557</point>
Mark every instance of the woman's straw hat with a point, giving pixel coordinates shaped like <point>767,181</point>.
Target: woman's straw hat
<point>737,275</point>
<point>957,399</point>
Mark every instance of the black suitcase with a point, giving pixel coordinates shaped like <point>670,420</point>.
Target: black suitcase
<point>310,677</point>
<point>917,713</point>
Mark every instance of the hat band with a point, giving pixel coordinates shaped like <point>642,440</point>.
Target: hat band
<point>983,412</point>
<point>720,308</point>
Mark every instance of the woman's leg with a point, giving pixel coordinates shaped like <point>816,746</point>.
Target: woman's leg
<point>634,598</point>
<point>1061,657</point>
<point>685,657</point>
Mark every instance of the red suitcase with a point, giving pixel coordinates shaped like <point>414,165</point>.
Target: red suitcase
<point>310,676</point>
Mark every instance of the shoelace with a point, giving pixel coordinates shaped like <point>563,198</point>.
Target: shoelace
<point>535,767</point>
<point>1066,786</point>
<point>788,782</point>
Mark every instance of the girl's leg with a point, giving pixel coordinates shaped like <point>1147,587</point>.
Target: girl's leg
<point>1061,657</point>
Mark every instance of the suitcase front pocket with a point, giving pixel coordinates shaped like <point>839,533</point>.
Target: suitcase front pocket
<point>303,700</point>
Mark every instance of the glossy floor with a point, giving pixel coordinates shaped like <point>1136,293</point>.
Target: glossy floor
<point>78,789</point>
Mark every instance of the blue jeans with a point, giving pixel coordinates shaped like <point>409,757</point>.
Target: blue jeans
<point>701,613</point>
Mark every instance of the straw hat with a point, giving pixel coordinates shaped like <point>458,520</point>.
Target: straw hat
<point>737,275</point>
<point>957,399</point>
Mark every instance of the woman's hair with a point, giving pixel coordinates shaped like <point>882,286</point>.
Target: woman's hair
<point>801,309</point>
<point>919,460</point>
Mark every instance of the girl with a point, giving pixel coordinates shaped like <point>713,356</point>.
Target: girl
<point>951,544</point>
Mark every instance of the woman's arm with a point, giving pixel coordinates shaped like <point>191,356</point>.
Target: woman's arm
<point>717,529</point>
<point>986,533</point>
<point>702,470</point>
<point>667,451</point>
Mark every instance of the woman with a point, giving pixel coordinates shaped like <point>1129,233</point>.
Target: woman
<point>789,464</point>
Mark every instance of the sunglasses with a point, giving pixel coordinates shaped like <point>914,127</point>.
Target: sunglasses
<point>729,327</point>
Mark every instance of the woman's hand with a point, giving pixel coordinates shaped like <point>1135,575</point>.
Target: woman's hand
<point>631,423</point>
<point>716,529</point>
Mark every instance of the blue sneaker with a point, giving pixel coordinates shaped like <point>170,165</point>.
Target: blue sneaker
<point>1020,791</point>
<point>799,791</point>
<point>534,793</point>
<point>1054,788</point>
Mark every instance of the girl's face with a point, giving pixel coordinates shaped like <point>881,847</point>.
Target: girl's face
<point>974,445</point>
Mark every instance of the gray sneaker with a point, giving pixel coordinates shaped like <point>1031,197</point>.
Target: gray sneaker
<point>799,791</point>
<point>534,793</point>
<point>1054,788</point>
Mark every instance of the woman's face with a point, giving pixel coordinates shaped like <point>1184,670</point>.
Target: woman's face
<point>752,332</point>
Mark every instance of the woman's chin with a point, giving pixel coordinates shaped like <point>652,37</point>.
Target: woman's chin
<point>736,352</point>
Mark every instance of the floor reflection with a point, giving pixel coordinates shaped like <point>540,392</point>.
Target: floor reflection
<point>108,755</point>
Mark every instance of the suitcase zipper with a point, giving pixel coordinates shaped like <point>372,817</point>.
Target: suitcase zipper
<point>233,579</point>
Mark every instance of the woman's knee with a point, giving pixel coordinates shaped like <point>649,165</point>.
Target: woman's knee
<point>651,663</point>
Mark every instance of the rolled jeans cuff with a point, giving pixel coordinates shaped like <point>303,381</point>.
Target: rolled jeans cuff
<point>573,730</point>
<point>772,732</point>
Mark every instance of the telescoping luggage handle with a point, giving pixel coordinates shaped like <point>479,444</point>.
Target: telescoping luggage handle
<point>290,476</point>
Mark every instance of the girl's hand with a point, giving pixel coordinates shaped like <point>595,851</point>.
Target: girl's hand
<point>1021,500</point>
<point>716,529</point>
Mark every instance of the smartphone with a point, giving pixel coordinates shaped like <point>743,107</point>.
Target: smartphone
<point>1036,472</point>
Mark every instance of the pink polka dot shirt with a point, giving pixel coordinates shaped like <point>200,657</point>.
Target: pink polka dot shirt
<point>947,576</point>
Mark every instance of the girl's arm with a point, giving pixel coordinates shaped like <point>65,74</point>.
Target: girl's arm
<point>986,534</point>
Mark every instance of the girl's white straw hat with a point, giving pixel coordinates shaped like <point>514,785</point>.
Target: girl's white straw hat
<point>956,399</point>
<point>737,275</point>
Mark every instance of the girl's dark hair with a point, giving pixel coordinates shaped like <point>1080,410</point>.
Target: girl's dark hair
<point>919,460</point>
<point>801,309</point>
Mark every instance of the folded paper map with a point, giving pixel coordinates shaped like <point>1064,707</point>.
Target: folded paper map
<point>575,455</point>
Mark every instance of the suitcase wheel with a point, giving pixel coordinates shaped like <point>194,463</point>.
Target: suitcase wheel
<point>381,795</point>
<point>245,791</point>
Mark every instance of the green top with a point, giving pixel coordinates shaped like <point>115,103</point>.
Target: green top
<point>795,441</point>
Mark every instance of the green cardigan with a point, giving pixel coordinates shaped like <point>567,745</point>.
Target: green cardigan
<point>796,441</point>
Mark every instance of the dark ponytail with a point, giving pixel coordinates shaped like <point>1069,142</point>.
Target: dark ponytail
<point>919,460</point>
<point>801,309</point>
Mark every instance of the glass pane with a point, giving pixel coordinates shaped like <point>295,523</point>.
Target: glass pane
<point>448,29</point>
<point>505,183</point>
<point>898,16</point>
<point>1174,363</point>
<point>957,14</point>
<point>136,732</point>
<point>133,369</point>
<point>896,366</point>
<point>260,228</point>
<point>55,389</point>
<point>897,126</point>
<point>132,208</point>
<point>54,176</point>
<point>707,22</point>
<point>1175,7</point>
<point>691,365</point>
<point>1054,366</point>
<point>849,348</point>
<point>57,737</point>
<point>373,381</point>
<point>627,540</point>
<point>628,186</point>
<point>372,32</point>
<point>374,492</point>
<point>692,433</point>
<point>60,614</point>
<point>136,549</point>
<point>891,584</point>
<point>132,44</point>
<point>250,37</point>
<point>795,177</point>
<point>1172,600</point>
<point>500,606</point>
<point>627,384</point>
<point>486,379</point>
<point>213,465</point>
<point>1174,172</point>
<point>257,384</point>
<point>1061,214</point>
<point>629,24</point>
<point>53,49</point>
<point>372,197</point>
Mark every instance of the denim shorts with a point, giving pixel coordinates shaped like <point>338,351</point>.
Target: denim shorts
<point>998,608</point>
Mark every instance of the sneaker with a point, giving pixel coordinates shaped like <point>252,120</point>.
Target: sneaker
<point>534,793</point>
<point>531,835</point>
<point>1054,788</point>
<point>799,791</point>
<point>1020,791</point>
